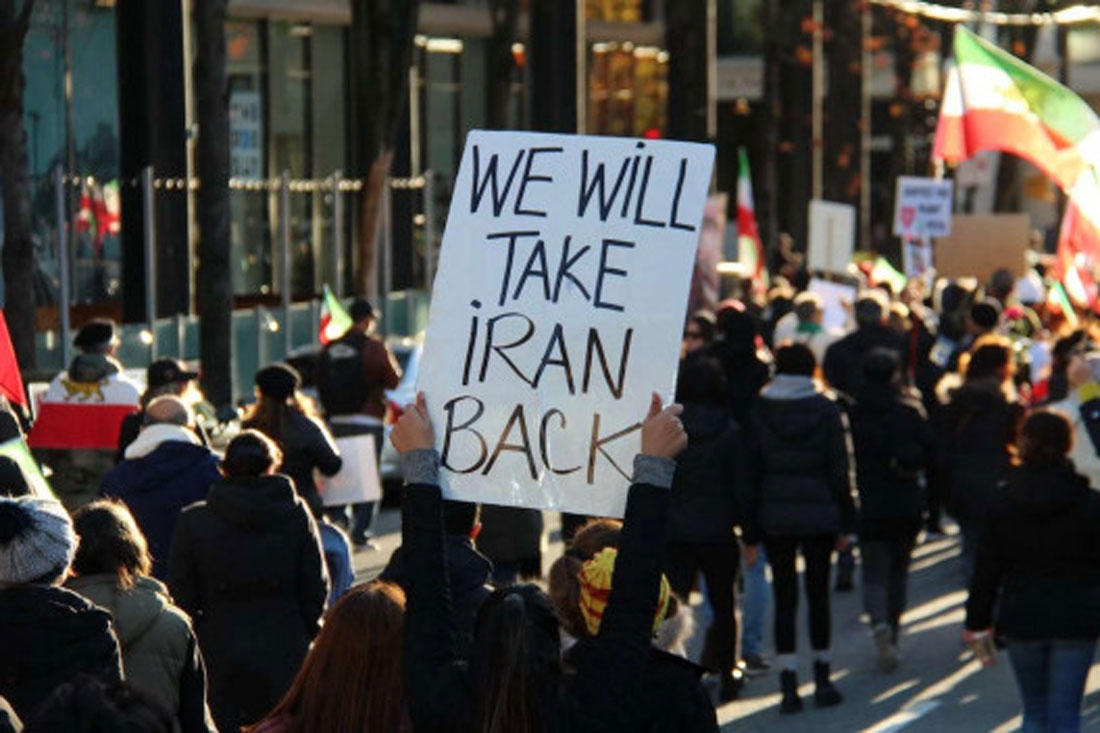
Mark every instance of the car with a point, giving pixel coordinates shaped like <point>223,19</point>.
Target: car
<point>407,351</point>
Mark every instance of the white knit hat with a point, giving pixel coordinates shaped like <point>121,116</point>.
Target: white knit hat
<point>36,538</point>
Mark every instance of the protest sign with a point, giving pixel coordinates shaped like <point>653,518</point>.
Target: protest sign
<point>832,237</point>
<point>979,244</point>
<point>836,301</point>
<point>558,308</point>
<point>357,480</point>
<point>922,207</point>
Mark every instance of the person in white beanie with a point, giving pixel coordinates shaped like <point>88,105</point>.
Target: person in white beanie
<point>49,635</point>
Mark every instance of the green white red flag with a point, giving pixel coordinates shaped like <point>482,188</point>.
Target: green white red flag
<point>995,101</point>
<point>335,320</point>
<point>750,251</point>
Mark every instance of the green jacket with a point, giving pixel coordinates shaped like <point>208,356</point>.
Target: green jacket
<point>159,652</point>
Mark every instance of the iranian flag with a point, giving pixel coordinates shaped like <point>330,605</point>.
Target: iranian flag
<point>995,101</point>
<point>335,320</point>
<point>750,251</point>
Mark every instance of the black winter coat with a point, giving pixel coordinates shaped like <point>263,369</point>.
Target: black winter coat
<point>979,424</point>
<point>607,693</point>
<point>469,574</point>
<point>247,565</point>
<point>745,375</point>
<point>894,447</point>
<point>799,459</point>
<point>48,636</point>
<point>156,488</point>
<point>843,367</point>
<point>1041,550</point>
<point>510,534</point>
<point>306,445</point>
<point>710,475</point>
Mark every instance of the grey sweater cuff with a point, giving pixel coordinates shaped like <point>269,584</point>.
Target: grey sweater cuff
<point>654,470</point>
<point>420,466</point>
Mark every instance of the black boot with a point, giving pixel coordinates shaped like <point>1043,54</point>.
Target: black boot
<point>788,684</point>
<point>733,681</point>
<point>825,694</point>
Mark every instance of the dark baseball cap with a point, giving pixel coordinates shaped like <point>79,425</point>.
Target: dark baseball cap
<point>167,371</point>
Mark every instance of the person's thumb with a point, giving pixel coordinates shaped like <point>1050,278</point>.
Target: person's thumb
<point>421,405</point>
<point>654,405</point>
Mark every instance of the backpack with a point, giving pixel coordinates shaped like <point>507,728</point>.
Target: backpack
<point>340,382</point>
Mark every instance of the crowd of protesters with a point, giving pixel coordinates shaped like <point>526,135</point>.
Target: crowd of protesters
<point>208,587</point>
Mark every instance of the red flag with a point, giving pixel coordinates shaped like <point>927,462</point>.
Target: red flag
<point>11,381</point>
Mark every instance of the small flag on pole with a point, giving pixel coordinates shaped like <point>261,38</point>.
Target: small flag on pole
<point>335,320</point>
<point>11,380</point>
<point>750,251</point>
<point>884,272</point>
<point>17,450</point>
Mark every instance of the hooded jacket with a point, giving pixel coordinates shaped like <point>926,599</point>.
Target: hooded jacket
<point>1041,549</point>
<point>48,636</point>
<point>160,654</point>
<point>979,425</point>
<point>710,474</point>
<point>164,471</point>
<point>248,567</point>
<point>307,444</point>
<point>843,364</point>
<point>799,460</point>
<point>894,447</point>
<point>469,574</point>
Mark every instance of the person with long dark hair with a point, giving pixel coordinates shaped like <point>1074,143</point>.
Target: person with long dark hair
<point>284,414</point>
<point>248,567</point>
<point>160,654</point>
<point>1037,575</point>
<point>514,681</point>
<point>978,431</point>
<point>351,680</point>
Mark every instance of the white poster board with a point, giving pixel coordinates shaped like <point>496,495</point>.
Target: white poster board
<point>836,300</point>
<point>832,237</point>
<point>922,207</point>
<point>357,481</point>
<point>558,308</point>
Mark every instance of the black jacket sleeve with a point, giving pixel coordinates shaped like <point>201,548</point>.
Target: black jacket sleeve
<point>434,690</point>
<point>313,581</point>
<point>842,469</point>
<point>322,450</point>
<point>609,680</point>
<point>181,569</point>
<point>193,713</point>
<point>986,582</point>
<point>752,487</point>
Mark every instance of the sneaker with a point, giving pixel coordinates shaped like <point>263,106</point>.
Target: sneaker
<point>884,647</point>
<point>367,545</point>
<point>825,694</point>
<point>788,684</point>
<point>755,665</point>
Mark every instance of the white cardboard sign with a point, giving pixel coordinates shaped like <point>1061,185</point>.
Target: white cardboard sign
<point>558,308</point>
<point>837,300</point>
<point>922,207</point>
<point>832,236</point>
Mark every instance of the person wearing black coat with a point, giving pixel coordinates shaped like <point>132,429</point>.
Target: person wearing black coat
<point>799,497</point>
<point>894,448</point>
<point>736,350</point>
<point>1038,570</point>
<point>515,672</point>
<point>978,429</point>
<point>843,365</point>
<point>283,414</point>
<point>48,635</point>
<point>248,567</point>
<point>703,512</point>
<point>468,571</point>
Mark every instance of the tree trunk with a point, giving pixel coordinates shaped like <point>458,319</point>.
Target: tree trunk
<point>382,33</point>
<point>767,199</point>
<point>18,254</point>
<point>215,294</point>
<point>503,14</point>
